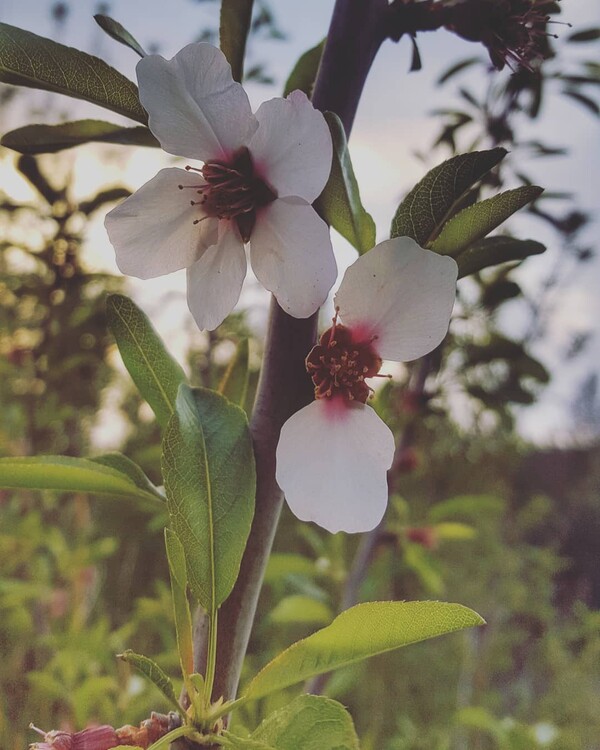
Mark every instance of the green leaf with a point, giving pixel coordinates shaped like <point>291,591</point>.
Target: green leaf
<point>284,564</point>
<point>492,251</point>
<point>339,203</point>
<point>124,465</point>
<point>304,73</point>
<point>234,384</point>
<point>236,16</point>
<point>475,222</point>
<point>310,722</point>
<point>156,374</point>
<point>427,207</point>
<point>154,674</point>
<point>181,607</point>
<point>115,30</point>
<point>210,481</point>
<point>358,633</point>
<point>69,474</point>
<point>27,59</point>
<point>298,609</point>
<point>48,139</point>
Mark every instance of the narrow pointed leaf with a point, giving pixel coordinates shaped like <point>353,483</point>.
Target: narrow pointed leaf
<point>428,206</point>
<point>492,251</point>
<point>210,482</point>
<point>475,222</point>
<point>27,59</point>
<point>356,634</point>
<point>339,203</point>
<point>236,16</point>
<point>181,607</point>
<point>129,468</point>
<point>69,474</point>
<point>115,30</point>
<point>153,673</point>
<point>310,722</point>
<point>156,374</point>
<point>304,73</point>
<point>48,139</point>
<point>234,384</point>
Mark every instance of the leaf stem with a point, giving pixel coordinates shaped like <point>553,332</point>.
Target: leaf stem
<point>355,34</point>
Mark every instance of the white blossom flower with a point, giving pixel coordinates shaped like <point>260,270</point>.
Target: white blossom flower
<point>333,455</point>
<point>260,175</point>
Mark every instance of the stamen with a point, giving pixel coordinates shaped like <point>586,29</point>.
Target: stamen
<point>35,729</point>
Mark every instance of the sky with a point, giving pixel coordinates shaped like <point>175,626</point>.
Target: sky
<point>392,124</point>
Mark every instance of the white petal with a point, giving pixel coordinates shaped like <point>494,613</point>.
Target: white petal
<point>215,281</point>
<point>195,108</point>
<point>292,147</point>
<point>332,461</point>
<point>153,231</point>
<point>402,294</point>
<point>292,256</point>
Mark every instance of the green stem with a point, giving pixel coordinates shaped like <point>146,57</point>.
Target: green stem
<point>356,32</point>
<point>211,659</point>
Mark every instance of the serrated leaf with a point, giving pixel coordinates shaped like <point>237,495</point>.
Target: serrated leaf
<point>475,222</point>
<point>234,384</point>
<point>69,474</point>
<point>427,207</point>
<point>210,481</point>
<point>153,673</point>
<point>310,722</point>
<point>492,251</point>
<point>298,609</point>
<point>27,59</point>
<point>236,16</point>
<point>126,466</point>
<point>181,607</point>
<point>118,32</point>
<point>304,72</point>
<point>358,633</point>
<point>156,374</point>
<point>48,139</point>
<point>339,203</point>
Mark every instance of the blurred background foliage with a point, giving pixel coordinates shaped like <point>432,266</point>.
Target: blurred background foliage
<point>477,516</point>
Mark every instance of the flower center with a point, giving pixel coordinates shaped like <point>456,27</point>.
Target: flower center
<point>232,191</point>
<point>338,365</point>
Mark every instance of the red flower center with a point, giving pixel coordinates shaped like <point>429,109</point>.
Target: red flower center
<point>232,191</point>
<point>338,365</point>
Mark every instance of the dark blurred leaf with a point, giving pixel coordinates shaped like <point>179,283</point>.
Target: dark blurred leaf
<point>433,200</point>
<point>475,222</point>
<point>236,16</point>
<point>492,251</point>
<point>454,69</point>
<point>115,30</point>
<point>587,35</point>
<point>304,73</point>
<point>28,166</point>
<point>498,292</point>
<point>156,374</point>
<point>415,63</point>
<point>588,103</point>
<point>103,197</point>
<point>48,139</point>
<point>339,203</point>
<point>27,59</point>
